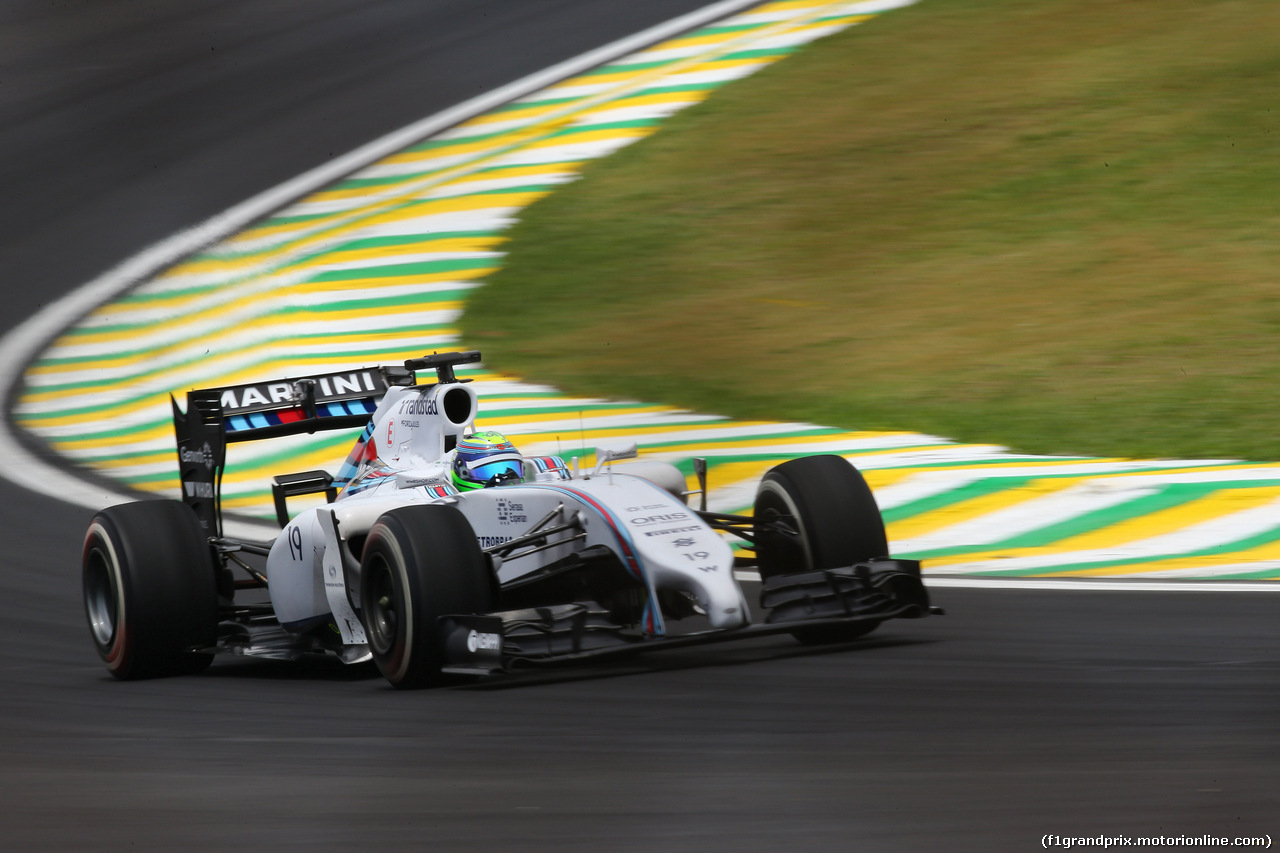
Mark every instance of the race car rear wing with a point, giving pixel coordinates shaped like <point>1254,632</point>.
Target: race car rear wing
<point>216,417</point>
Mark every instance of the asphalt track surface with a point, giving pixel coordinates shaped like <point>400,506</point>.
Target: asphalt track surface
<point>1021,713</point>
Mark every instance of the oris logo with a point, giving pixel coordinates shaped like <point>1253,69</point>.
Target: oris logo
<point>665,518</point>
<point>479,642</point>
<point>203,456</point>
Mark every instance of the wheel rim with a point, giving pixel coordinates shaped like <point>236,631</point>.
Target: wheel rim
<point>101,597</point>
<point>384,614</point>
<point>778,552</point>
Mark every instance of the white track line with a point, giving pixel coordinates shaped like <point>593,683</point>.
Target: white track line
<point>1104,585</point>
<point>1090,585</point>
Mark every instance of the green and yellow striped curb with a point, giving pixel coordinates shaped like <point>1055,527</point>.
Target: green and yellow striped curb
<point>376,268</point>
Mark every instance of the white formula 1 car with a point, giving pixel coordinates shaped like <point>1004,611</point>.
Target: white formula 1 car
<point>442,552</point>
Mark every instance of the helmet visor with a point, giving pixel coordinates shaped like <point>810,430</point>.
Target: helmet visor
<point>486,469</point>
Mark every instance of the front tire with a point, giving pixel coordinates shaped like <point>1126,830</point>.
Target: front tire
<point>150,590</point>
<point>834,521</point>
<point>419,563</point>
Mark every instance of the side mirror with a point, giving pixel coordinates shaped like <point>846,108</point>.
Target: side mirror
<point>605,455</point>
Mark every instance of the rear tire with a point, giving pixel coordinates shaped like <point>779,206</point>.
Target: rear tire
<point>419,563</point>
<point>150,590</point>
<point>837,523</point>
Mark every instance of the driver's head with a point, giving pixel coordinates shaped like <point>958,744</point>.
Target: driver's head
<point>486,459</point>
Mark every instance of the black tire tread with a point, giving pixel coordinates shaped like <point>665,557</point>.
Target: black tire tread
<point>841,522</point>
<point>446,572</point>
<point>837,509</point>
<point>170,588</point>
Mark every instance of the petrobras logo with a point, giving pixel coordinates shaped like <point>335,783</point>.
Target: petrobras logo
<point>191,456</point>
<point>478,641</point>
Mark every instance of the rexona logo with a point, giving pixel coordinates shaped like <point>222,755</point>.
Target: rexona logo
<point>203,456</point>
<point>483,642</point>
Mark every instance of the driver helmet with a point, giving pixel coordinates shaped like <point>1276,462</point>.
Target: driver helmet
<point>485,459</point>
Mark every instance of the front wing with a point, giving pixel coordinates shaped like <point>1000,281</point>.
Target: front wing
<point>862,595</point>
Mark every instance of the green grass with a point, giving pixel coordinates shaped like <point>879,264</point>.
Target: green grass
<point>1052,224</point>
